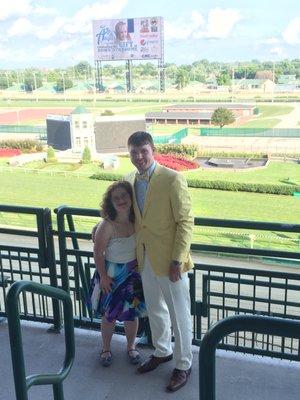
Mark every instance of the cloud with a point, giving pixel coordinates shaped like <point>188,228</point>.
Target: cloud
<point>277,51</point>
<point>221,22</point>
<point>271,40</point>
<point>52,51</point>
<point>81,22</point>
<point>22,26</point>
<point>291,34</point>
<point>15,8</point>
<point>218,25</point>
<point>44,11</point>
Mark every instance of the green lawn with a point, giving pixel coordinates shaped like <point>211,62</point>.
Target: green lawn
<point>273,110</point>
<point>266,119</point>
<point>51,191</point>
<point>44,190</point>
<point>262,123</point>
<point>275,173</point>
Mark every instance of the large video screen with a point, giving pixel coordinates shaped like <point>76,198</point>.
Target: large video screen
<point>128,39</point>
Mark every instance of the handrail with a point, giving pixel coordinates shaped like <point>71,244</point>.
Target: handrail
<point>23,383</point>
<point>249,323</point>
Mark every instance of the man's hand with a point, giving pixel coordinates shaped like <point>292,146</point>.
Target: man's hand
<point>175,271</point>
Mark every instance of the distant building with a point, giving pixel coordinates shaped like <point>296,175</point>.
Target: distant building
<point>105,134</point>
<point>82,130</point>
<point>196,114</point>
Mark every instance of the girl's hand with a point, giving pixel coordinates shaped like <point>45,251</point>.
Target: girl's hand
<point>106,283</point>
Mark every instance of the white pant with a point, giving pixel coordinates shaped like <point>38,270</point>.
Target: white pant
<point>167,300</point>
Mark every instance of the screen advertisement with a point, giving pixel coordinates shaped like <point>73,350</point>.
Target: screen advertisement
<point>128,39</point>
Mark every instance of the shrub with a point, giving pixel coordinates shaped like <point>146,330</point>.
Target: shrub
<point>50,157</point>
<point>243,187</point>
<point>107,176</point>
<point>107,113</point>
<point>186,150</point>
<point>25,146</point>
<point>86,156</point>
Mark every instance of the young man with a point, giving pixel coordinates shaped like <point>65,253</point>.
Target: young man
<point>164,229</point>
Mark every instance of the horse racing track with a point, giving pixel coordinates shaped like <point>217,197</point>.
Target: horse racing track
<point>22,115</point>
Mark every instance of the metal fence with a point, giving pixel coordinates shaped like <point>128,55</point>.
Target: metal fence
<point>39,130</point>
<point>174,138</point>
<point>63,258</point>
<point>250,132</point>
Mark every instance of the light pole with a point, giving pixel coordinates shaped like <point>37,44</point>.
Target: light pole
<point>94,85</point>
<point>63,82</point>
<point>7,80</point>
<point>35,87</point>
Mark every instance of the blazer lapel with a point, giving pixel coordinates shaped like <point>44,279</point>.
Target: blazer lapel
<point>131,179</point>
<point>154,177</point>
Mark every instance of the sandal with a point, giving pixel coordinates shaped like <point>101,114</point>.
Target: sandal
<point>134,356</point>
<point>106,361</point>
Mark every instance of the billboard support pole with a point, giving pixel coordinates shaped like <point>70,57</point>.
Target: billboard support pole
<point>161,73</point>
<point>99,80</point>
<point>129,76</point>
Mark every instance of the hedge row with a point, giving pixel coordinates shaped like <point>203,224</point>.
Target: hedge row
<point>244,187</point>
<point>107,176</point>
<point>219,185</point>
<point>186,150</point>
<point>24,145</point>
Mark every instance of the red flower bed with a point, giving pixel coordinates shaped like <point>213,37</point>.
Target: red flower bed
<point>174,162</point>
<point>9,152</point>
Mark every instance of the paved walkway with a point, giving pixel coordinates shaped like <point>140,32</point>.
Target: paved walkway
<point>239,377</point>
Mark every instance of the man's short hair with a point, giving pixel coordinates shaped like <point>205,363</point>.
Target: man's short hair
<point>140,138</point>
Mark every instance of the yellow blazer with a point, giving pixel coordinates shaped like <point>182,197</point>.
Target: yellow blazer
<point>164,229</point>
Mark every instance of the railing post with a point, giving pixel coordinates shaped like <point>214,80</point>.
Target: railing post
<point>51,262</point>
<point>249,323</point>
<point>62,248</point>
<point>23,383</point>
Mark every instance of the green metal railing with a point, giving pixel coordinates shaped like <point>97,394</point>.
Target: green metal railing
<point>250,132</point>
<point>23,383</point>
<point>30,256</point>
<point>217,291</point>
<point>255,324</point>
<point>174,138</point>
<point>39,130</point>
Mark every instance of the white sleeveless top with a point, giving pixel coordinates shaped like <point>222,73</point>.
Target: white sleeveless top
<point>121,249</point>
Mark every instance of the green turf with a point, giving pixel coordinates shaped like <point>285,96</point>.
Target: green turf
<point>262,123</point>
<point>274,173</point>
<point>43,190</point>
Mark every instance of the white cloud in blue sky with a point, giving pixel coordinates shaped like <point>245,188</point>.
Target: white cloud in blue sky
<point>58,33</point>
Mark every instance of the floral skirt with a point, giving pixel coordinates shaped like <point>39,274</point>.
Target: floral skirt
<point>126,301</point>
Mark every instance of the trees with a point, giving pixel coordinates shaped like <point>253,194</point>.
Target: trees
<point>63,84</point>
<point>32,80</point>
<point>182,78</point>
<point>86,156</point>
<point>224,79</point>
<point>50,157</point>
<point>222,116</point>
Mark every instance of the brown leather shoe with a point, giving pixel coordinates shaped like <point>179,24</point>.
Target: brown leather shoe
<point>178,379</point>
<point>153,362</point>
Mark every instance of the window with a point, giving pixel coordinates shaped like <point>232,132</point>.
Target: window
<point>77,142</point>
<point>86,141</point>
<point>84,124</point>
<point>76,124</point>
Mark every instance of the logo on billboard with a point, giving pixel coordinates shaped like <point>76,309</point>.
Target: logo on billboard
<point>105,34</point>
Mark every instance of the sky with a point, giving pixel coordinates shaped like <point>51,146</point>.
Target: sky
<point>58,33</point>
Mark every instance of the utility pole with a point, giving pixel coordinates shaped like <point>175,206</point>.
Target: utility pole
<point>35,87</point>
